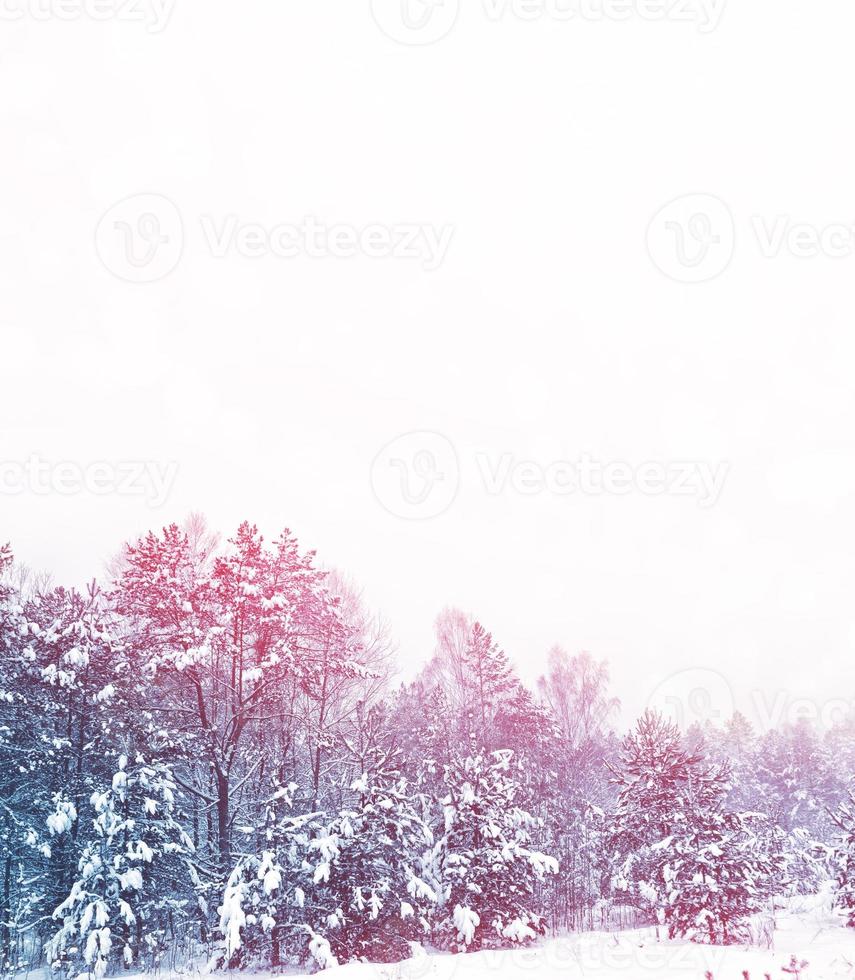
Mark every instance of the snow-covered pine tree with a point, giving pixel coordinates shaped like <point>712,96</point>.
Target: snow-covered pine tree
<point>367,896</point>
<point>796,782</point>
<point>736,744</point>
<point>13,776</point>
<point>334,887</point>
<point>528,729</point>
<point>717,877</point>
<point>483,863</point>
<point>679,856</point>
<point>654,775</point>
<point>59,678</point>
<point>128,889</point>
<point>839,745</point>
<point>576,692</point>
<point>808,863</point>
<point>844,859</point>
<point>492,683</point>
<point>255,621</point>
<point>474,674</point>
<point>263,896</point>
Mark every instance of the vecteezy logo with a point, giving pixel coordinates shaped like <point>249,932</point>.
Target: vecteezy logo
<point>415,21</point>
<point>697,695</point>
<point>692,239</point>
<point>416,476</point>
<point>141,238</point>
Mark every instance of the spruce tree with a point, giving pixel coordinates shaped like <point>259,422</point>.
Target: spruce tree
<point>844,859</point>
<point>483,861</point>
<point>680,857</point>
<point>129,882</point>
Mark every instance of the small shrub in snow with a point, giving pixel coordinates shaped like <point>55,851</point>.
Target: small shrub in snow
<point>795,968</point>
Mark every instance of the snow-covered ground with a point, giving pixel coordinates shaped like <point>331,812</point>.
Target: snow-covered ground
<point>628,956</point>
<point>807,931</point>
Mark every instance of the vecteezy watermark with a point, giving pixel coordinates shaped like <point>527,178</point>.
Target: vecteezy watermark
<point>705,13</point>
<point>694,696</point>
<point>415,21</point>
<point>416,476</point>
<point>692,238</point>
<point>154,14</point>
<point>770,710</point>
<point>142,238</point>
<point>422,965</point>
<point>422,22</point>
<point>592,477</point>
<point>136,478</point>
<point>701,695</point>
<point>803,240</point>
<point>314,239</point>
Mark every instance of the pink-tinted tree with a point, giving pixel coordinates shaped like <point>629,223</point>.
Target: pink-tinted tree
<point>225,642</point>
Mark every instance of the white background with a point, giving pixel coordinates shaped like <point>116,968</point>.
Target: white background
<point>547,333</point>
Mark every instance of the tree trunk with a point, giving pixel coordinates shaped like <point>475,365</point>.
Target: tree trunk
<point>6,912</point>
<point>223,829</point>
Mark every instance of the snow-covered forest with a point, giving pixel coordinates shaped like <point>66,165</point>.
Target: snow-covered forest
<point>206,756</point>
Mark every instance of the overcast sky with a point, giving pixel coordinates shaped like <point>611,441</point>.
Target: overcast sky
<point>251,246</point>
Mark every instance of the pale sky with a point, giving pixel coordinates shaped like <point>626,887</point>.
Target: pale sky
<point>523,161</point>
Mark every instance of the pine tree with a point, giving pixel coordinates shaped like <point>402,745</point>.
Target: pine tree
<point>796,782</point>
<point>844,859</point>
<point>474,674</point>
<point>368,897</point>
<point>655,775</point>
<point>60,675</point>
<point>719,875</point>
<point>491,681</point>
<point>228,640</point>
<point>120,906</point>
<point>263,897</point>
<point>483,863</point>
<point>575,692</point>
<point>14,795</point>
<point>680,857</point>
<point>335,886</point>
